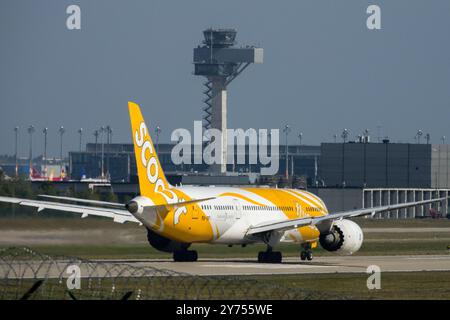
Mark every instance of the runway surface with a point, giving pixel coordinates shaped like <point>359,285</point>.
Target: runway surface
<point>290,265</point>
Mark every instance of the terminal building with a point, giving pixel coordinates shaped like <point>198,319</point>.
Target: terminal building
<point>117,162</point>
<point>385,165</point>
<point>357,175</point>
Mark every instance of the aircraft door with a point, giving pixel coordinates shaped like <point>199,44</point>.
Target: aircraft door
<point>299,210</point>
<point>195,211</point>
<point>237,209</point>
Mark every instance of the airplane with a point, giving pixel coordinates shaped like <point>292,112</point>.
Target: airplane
<point>177,216</point>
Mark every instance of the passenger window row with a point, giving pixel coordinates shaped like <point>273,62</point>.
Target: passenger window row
<point>254,208</point>
<point>269,208</point>
<point>210,207</point>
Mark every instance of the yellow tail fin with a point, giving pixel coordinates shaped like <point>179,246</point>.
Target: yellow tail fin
<point>152,181</point>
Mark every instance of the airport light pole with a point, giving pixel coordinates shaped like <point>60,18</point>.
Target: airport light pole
<point>109,140</point>
<point>31,130</point>
<point>335,137</point>
<point>428,137</point>
<point>300,136</point>
<point>96,134</point>
<point>102,130</point>
<point>157,132</point>
<point>287,130</point>
<point>80,132</point>
<point>446,149</point>
<point>419,135</point>
<point>45,131</point>
<point>344,135</point>
<point>366,136</point>
<point>61,133</point>
<point>16,134</point>
<point>109,131</point>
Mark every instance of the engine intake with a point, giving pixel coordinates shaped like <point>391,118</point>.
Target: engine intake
<point>345,237</point>
<point>132,207</point>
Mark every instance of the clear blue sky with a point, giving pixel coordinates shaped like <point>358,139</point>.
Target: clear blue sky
<point>323,69</point>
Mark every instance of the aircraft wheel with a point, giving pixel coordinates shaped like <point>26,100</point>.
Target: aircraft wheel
<point>261,256</point>
<point>194,256</point>
<point>269,257</point>
<point>309,255</point>
<point>303,255</point>
<point>185,256</point>
<point>276,257</point>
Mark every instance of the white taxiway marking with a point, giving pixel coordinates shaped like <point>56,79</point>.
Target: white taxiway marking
<point>258,266</point>
<point>429,258</point>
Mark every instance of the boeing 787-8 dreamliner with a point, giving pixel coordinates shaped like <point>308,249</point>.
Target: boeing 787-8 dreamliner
<point>176,217</point>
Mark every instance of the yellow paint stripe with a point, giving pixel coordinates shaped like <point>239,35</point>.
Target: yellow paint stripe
<point>316,197</point>
<point>296,195</point>
<point>309,196</point>
<point>237,195</point>
<point>280,199</point>
<point>318,205</point>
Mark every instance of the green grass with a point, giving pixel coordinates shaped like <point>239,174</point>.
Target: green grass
<point>43,222</point>
<point>406,236</point>
<point>394,285</point>
<point>403,223</point>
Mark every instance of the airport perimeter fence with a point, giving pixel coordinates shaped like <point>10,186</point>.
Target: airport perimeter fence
<point>27,274</point>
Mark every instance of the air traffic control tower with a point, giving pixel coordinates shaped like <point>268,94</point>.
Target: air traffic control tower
<point>220,62</point>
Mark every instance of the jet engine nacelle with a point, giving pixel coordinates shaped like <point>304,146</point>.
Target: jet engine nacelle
<point>161,243</point>
<point>143,209</point>
<point>137,205</point>
<point>345,238</point>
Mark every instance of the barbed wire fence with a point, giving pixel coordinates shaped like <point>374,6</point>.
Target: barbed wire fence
<point>27,274</point>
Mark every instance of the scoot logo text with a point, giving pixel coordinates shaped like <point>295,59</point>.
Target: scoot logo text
<point>151,165</point>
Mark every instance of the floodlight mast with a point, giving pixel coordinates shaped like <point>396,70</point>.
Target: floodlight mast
<point>220,62</point>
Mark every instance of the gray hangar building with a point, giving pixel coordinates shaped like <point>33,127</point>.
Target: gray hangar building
<point>356,175</point>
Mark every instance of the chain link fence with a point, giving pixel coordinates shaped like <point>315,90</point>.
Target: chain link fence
<point>27,274</point>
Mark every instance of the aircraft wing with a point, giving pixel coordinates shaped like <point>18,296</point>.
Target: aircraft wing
<point>115,211</point>
<point>117,215</point>
<point>88,201</point>
<point>326,220</point>
<point>170,206</point>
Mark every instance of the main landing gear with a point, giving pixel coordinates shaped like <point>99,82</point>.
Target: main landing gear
<point>185,256</point>
<point>306,253</point>
<point>269,256</point>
